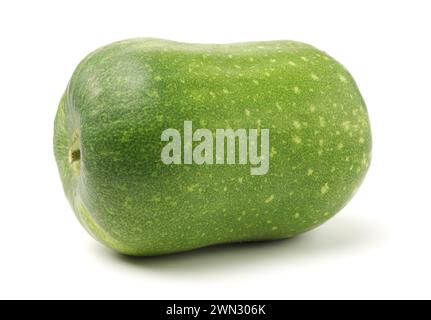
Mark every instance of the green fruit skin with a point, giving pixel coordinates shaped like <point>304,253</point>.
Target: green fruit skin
<point>122,96</point>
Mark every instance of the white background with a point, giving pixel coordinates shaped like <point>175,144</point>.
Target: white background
<point>377,247</point>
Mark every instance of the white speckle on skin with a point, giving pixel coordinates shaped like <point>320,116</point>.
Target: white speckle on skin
<point>324,189</point>
<point>340,146</point>
<point>312,108</point>
<point>247,112</point>
<point>297,140</point>
<point>296,124</point>
<point>274,228</point>
<point>342,78</point>
<point>361,140</point>
<point>322,121</point>
<point>292,63</point>
<point>314,77</point>
<point>277,104</point>
<point>304,59</point>
<point>225,91</point>
<point>256,82</point>
<point>346,125</point>
<point>273,60</point>
<point>269,199</point>
<point>296,90</point>
<point>296,216</point>
<point>310,172</point>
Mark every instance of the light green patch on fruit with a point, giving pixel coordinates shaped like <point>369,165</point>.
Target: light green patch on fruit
<point>342,78</point>
<point>324,189</point>
<point>346,125</point>
<point>322,121</point>
<point>297,140</point>
<point>192,188</point>
<point>269,199</point>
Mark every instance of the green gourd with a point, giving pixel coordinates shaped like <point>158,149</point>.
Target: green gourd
<point>122,98</point>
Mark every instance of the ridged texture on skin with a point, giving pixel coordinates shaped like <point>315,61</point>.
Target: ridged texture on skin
<point>122,97</point>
